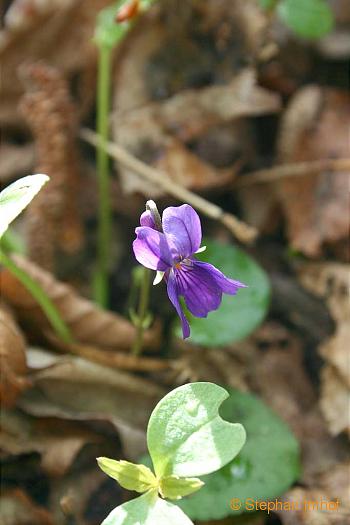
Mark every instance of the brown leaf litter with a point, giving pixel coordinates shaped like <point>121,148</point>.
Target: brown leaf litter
<point>57,441</point>
<point>160,111</point>
<point>16,508</point>
<point>13,364</point>
<point>31,32</point>
<point>65,387</point>
<point>87,322</point>
<point>330,281</point>
<point>53,219</point>
<point>315,126</point>
<point>325,504</point>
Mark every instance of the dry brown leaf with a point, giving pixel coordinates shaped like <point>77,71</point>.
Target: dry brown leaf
<point>315,126</point>
<point>188,169</point>
<point>71,22</point>
<point>335,401</point>
<point>333,486</point>
<point>12,359</point>
<point>53,220</point>
<point>330,281</point>
<point>169,87</point>
<point>16,508</point>
<point>157,131</point>
<point>58,442</point>
<point>88,323</point>
<point>275,362</point>
<point>67,389</point>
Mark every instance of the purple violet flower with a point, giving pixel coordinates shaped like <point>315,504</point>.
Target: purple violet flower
<point>171,254</point>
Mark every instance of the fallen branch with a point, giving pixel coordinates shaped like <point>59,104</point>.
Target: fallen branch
<point>240,229</point>
<point>299,169</point>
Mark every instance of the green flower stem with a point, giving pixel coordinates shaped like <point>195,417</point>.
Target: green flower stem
<point>40,296</point>
<point>104,214</point>
<point>142,311</point>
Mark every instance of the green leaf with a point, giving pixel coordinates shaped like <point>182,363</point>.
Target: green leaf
<point>173,487</point>
<point>307,18</point>
<point>147,509</point>
<point>268,4</point>
<point>17,196</point>
<point>187,437</point>
<point>108,32</point>
<point>265,468</point>
<point>237,316</point>
<point>129,475</point>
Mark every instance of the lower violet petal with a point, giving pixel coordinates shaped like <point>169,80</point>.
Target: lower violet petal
<point>173,293</point>
<point>225,284</point>
<point>200,290</point>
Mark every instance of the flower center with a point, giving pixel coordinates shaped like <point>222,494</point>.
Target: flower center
<point>184,263</point>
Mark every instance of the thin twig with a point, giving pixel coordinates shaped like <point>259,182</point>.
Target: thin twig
<point>300,169</point>
<point>111,359</point>
<point>240,229</point>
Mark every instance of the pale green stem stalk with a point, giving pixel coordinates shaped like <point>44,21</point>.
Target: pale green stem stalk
<point>40,296</point>
<point>142,311</point>
<point>104,213</point>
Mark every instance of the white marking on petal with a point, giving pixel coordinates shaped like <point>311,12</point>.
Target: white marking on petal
<point>202,249</point>
<point>158,278</point>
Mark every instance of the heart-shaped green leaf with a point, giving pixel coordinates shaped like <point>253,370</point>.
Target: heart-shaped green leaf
<point>17,196</point>
<point>147,509</point>
<point>187,437</point>
<point>237,316</point>
<point>129,475</point>
<point>308,19</point>
<point>265,468</point>
<point>173,487</point>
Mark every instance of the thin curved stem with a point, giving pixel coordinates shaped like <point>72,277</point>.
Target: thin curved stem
<point>142,311</point>
<point>104,213</point>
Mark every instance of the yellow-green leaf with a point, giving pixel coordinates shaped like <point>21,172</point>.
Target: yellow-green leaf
<point>130,476</point>
<point>173,487</point>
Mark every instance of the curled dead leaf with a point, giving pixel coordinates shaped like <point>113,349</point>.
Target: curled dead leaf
<point>330,281</point>
<point>16,508</point>
<point>12,359</point>
<point>67,388</point>
<point>88,323</point>
<point>315,126</point>
<point>57,441</point>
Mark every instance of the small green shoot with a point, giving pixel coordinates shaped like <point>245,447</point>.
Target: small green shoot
<point>13,200</point>
<point>186,438</point>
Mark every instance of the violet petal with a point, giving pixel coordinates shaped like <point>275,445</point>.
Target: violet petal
<point>182,226</point>
<point>151,249</point>
<point>173,293</point>
<point>201,292</point>
<point>227,285</point>
<point>146,219</point>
